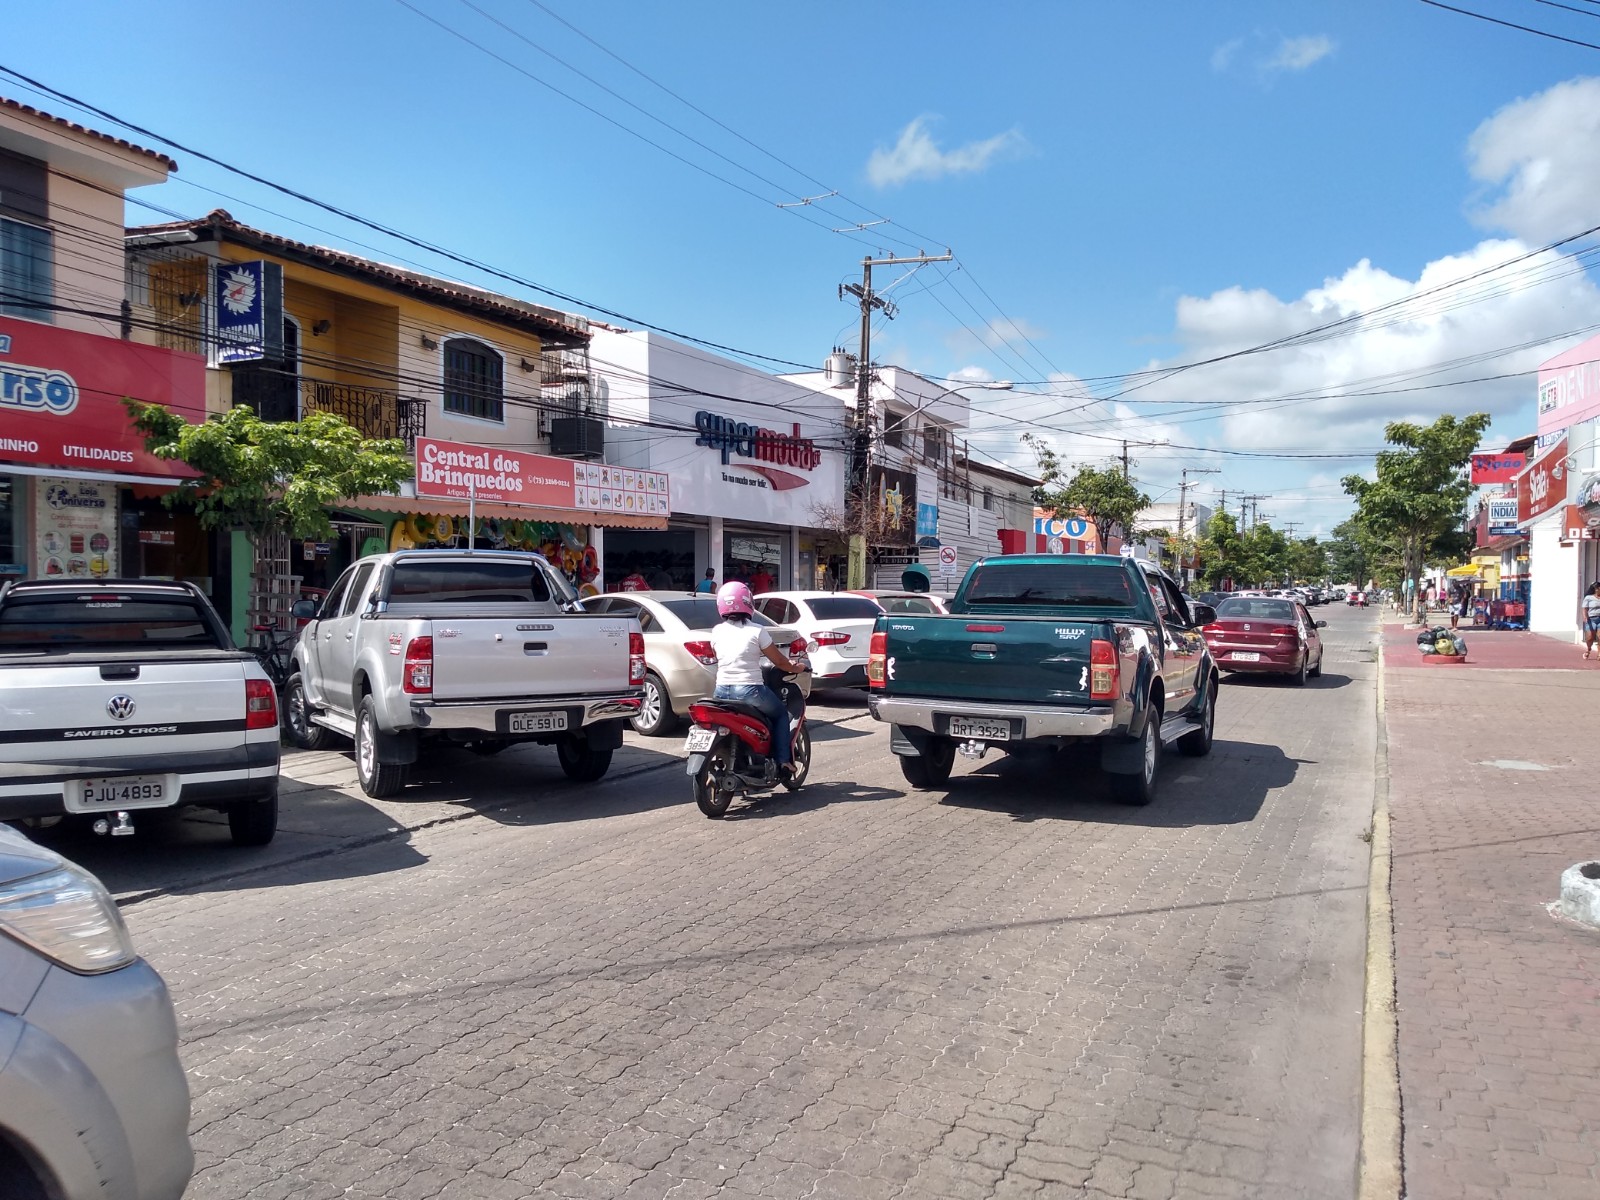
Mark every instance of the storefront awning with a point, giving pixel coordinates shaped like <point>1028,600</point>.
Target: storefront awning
<point>502,512</point>
<point>1469,571</point>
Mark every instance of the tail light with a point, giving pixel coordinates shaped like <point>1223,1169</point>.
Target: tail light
<point>1102,670</point>
<point>700,714</point>
<point>798,646</point>
<point>702,653</point>
<point>636,660</point>
<point>986,628</point>
<point>416,678</point>
<point>1283,631</point>
<point>878,662</point>
<point>260,705</point>
<point>830,638</point>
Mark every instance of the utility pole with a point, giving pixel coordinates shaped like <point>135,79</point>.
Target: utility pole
<point>1254,505</point>
<point>1124,458</point>
<point>1183,508</point>
<point>861,426</point>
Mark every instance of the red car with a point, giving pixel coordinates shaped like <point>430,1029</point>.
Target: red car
<point>1267,635</point>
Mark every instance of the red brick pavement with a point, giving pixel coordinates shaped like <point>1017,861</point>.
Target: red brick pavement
<point>1495,649</point>
<point>1498,1001</point>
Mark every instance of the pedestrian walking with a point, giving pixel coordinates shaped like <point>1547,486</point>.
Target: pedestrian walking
<point>1589,614</point>
<point>708,585</point>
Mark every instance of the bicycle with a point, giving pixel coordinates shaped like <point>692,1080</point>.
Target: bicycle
<point>271,648</point>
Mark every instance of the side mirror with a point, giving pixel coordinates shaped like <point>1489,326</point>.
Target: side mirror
<point>1322,624</point>
<point>304,610</point>
<point>1203,614</point>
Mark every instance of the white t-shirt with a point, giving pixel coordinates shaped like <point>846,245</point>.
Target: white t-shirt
<point>739,646</point>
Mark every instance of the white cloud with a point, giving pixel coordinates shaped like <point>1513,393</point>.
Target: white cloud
<point>1222,56</point>
<point>917,156</point>
<point>1298,53</point>
<point>1541,154</point>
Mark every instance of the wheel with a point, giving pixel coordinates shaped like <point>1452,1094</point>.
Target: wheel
<point>712,802</point>
<point>655,713</point>
<point>1140,788</point>
<point>1316,671</point>
<point>487,748</point>
<point>253,822</point>
<point>581,762</point>
<point>931,768</point>
<point>18,1181</point>
<point>1299,677</point>
<point>1198,743</point>
<point>297,721</point>
<point>377,779</point>
<point>801,753</point>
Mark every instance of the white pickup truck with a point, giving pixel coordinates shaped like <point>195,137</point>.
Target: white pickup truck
<point>121,695</point>
<point>478,647</point>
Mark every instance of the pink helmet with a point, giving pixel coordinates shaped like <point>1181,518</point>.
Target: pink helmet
<point>735,598</point>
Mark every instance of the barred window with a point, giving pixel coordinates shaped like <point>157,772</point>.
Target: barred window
<point>25,284</point>
<point>473,380</point>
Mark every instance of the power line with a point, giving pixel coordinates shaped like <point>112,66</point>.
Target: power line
<point>1545,33</point>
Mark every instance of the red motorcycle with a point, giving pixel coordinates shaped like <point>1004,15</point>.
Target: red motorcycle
<point>730,744</point>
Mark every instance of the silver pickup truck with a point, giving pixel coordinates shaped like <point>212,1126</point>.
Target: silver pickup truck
<point>483,648</point>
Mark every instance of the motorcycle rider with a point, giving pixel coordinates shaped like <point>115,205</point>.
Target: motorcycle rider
<point>740,645</point>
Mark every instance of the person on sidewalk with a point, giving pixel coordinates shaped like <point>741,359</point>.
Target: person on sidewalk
<point>1589,616</point>
<point>708,585</point>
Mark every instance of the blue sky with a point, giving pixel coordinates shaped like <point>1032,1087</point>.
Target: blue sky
<point>1125,186</point>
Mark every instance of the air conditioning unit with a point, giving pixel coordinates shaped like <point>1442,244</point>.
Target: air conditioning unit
<point>577,437</point>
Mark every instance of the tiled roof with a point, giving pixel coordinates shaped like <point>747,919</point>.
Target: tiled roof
<point>220,224</point>
<point>29,110</point>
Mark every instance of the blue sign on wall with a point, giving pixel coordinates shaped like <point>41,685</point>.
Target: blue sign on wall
<point>927,520</point>
<point>249,302</point>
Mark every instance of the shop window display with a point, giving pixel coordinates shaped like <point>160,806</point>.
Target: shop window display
<point>13,553</point>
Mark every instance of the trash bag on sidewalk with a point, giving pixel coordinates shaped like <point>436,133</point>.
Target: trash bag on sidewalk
<point>1461,643</point>
<point>1427,647</point>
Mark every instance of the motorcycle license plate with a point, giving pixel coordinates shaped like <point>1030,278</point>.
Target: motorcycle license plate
<point>700,740</point>
<point>1245,656</point>
<point>123,791</point>
<point>538,722</point>
<point>994,731</point>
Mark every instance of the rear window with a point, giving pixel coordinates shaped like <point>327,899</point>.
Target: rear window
<point>461,582</point>
<point>844,608</point>
<point>702,614</point>
<point>104,621</point>
<point>1267,610</point>
<point>1069,585</point>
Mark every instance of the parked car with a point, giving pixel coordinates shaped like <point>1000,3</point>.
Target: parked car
<point>837,627</point>
<point>680,667</point>
<point>93,1100</point>
<point>1043,651</point>
<point>1266,635</point>
<point>122,695</point>
<point>912,602</point>
<point>482,648</point>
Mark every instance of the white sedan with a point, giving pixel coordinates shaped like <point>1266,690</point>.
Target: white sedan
<point>837,627</point>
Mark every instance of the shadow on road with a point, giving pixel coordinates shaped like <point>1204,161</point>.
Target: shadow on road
<point>808,799</point>
<point>1227,788</point>
<point>1327,681</point>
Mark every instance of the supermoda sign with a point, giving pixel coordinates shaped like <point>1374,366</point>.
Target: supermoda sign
<point>461,471</point>
<point>1544,485</point>
<point>61,399</point>
<point>1497,468</point>
<point>766,446</point>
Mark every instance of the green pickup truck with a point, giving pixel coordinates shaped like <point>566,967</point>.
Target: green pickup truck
<point>1047,650</point>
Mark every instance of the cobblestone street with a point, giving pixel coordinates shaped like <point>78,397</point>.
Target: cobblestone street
<point>506,985</point>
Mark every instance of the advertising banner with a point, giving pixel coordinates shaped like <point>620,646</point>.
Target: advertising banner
<point>1502,516</point>
<point>1569,387</point>
<point>249,311</point>
<point>1543,485</point>
<point>459,471</point>
<point>927,524</point>
<point>76,522</point>
<point>1497,468</point>
<point>61,399</point>
<point>893,496</point>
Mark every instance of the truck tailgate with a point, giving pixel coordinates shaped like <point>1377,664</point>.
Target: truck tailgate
<point>495,658</point>
<point>84,713</point>
<point>1031,660</point>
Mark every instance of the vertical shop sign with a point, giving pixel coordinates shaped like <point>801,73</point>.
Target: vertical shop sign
<point>77,528</point>
<point>249,309</point>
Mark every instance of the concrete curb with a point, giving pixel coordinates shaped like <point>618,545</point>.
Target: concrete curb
<point>1380,1173</point>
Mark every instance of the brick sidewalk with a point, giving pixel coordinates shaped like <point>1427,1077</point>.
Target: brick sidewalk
<point>1492,794</point>
<point>1495,649</point>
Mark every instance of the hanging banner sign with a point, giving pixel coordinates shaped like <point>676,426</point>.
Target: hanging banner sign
<point>1544,485</point>
<point>457,470</point>
<point>1502,516</point>
<point>249,311</point>
<point>1497,468</point>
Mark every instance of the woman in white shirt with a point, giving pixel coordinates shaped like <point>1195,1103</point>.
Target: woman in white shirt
<point>741,647</point>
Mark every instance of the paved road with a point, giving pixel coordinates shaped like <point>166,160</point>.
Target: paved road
<point>504,985</point>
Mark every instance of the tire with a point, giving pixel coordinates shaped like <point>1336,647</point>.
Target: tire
<point>656,717</point>
<point>377,779</point>
<point>487,748</point>
<point>1298,679</point>
<point>253,822</point>
<point>1140,788</point>
<point>931,768</point>
<point>801,753</point>
<point>18,1181</point>
<point>581,762</point>
<point>1198,743</point>
<point>297,716</point>
<point>710,801</point>
<point>1316,671</point>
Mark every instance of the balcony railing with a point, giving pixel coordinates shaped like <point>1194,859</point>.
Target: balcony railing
<point>278,395</point>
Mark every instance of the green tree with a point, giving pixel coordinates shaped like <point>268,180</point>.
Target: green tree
<point>1419,497</point>
<point>265,477</point>
<point>1266,553</point>
<point>1104,495</point>
<point>1348,557</point>
<point>1308,560</point>
<point>1223,552</point>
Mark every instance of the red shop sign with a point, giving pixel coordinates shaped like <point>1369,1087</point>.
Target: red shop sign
<point>1544,485</point>
<point>450,470</point>
<point>61,398</point>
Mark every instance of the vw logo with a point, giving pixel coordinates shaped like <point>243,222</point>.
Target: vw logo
<point>120,707</point>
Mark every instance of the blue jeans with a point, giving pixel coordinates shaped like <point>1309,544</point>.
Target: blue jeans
<point>764,698</point>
